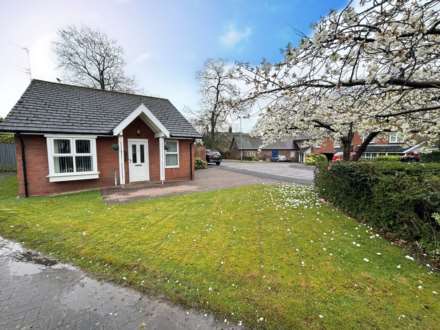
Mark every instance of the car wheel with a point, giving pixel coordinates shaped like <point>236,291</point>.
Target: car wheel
<point>217,163</point>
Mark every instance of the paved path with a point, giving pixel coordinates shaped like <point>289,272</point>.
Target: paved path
<point>288,172</point>
<point>35,296</point>
<point>213,178</point>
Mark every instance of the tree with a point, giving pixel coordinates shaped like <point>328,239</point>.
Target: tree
<point>219,96</point>
<point>90,58</point>
<point>369,68</point>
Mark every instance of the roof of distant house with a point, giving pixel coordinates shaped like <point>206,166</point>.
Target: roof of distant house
<point>50,107</point>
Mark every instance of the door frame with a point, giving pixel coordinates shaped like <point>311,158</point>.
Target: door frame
<point>147,158</point>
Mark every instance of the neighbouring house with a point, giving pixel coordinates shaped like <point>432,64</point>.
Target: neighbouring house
<point>71,138</point>
<point>386,144</point>
<point>245,146</point>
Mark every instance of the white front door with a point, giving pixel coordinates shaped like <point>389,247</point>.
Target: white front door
<point>138,168</point>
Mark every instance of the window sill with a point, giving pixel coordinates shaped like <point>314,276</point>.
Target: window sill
<point>176,166</point>
<point>73,177</point>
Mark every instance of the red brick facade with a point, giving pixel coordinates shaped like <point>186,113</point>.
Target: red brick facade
<point>107,160</point>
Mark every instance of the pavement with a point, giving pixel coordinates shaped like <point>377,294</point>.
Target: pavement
<point>286,172</point>
<point>36,292</point>
<point>212,178</point>
<point>228,175</point>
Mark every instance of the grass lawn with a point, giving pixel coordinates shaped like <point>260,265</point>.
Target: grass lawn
<point>270,257</point>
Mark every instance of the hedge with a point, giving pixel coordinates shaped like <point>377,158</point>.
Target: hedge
<point>431,157</point>
<point>400,199</point>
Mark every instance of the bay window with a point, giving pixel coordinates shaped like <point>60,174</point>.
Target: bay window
<point>171,153</point>
<point>71,158</point>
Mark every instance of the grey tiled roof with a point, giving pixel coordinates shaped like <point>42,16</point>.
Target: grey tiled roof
<point>245,141</point>
<point>59,108</point>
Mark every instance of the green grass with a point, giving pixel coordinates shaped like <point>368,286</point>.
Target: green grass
<point>240,253</point>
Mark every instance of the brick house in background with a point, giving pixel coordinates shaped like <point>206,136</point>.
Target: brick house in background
<point>386,144</point>
<point>71,138</point>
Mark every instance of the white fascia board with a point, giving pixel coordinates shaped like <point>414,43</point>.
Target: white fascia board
<point>142,109</point>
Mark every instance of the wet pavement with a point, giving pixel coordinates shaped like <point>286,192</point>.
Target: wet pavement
<point>36,292</point>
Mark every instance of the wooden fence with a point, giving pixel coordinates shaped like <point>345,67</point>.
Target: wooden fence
<point>7,157</point>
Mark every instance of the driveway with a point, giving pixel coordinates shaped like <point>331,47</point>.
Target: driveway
<point>287,172</point>
<point>212,178</point>
<point>37,294</point>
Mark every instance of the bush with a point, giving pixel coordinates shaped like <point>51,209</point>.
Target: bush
<point>7,138</point>
<point>431,157</point>
<point>397,198</point>
<point>314,159</point>
<point>389,158</point>
<point>200,164</point>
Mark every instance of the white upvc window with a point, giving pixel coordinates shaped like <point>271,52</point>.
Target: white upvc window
<point>394,137</point>
<point>171,153</point>
<point>71,157</point>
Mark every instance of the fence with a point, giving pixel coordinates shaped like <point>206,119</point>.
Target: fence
<point>7,157</point>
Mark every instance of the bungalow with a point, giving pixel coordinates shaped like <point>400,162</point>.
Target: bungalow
<point>71,138</point>
<point>245,146</point>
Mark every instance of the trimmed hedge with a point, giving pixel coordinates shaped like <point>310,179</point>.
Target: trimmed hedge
<point>431,157</point>
<point>389,158</point>
<point>397,198</point>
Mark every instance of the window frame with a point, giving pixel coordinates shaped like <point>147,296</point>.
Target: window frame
<point>395,136</point>
<point>166,152</point>
<point>75,175</point>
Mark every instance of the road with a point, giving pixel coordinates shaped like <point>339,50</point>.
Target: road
<point>287,172</point>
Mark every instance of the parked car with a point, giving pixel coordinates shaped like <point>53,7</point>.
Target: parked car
<point>340,156</point>
<point>282,158</point>
<point>213,156</point>
<point>410,157</point>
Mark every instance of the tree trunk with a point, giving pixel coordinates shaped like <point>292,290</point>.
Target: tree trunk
<point>346,144</point>
<point>364,145</point>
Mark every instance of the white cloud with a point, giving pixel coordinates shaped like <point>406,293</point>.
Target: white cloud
<point>234,35</point>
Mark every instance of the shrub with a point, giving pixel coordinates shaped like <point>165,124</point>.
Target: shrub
<point>200,164</point>
<point>398,198</point>
<point>7,138</point>
<point>314,159</point>
<point>389,158</point>
<point>431,157</point>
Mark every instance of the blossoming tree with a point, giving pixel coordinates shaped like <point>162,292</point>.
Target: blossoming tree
<point>371,67</point>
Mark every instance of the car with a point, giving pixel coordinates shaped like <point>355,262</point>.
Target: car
<point>213,156</point>
<point>410,157</point>
<point>338,156</point>
<point>282,158</point>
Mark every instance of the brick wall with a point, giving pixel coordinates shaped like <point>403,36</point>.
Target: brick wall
<point>139,130</point>
<point>38,168</point>
<point>107,159</point>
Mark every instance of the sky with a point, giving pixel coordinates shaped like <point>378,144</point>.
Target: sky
<point>165,42</point>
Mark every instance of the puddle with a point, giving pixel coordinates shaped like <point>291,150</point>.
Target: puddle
<point>66,293</point>
<point>20,261</point>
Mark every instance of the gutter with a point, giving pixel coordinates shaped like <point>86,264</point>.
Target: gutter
<point>23,164</point>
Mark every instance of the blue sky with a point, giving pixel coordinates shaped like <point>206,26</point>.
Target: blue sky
<point>165,42</point>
